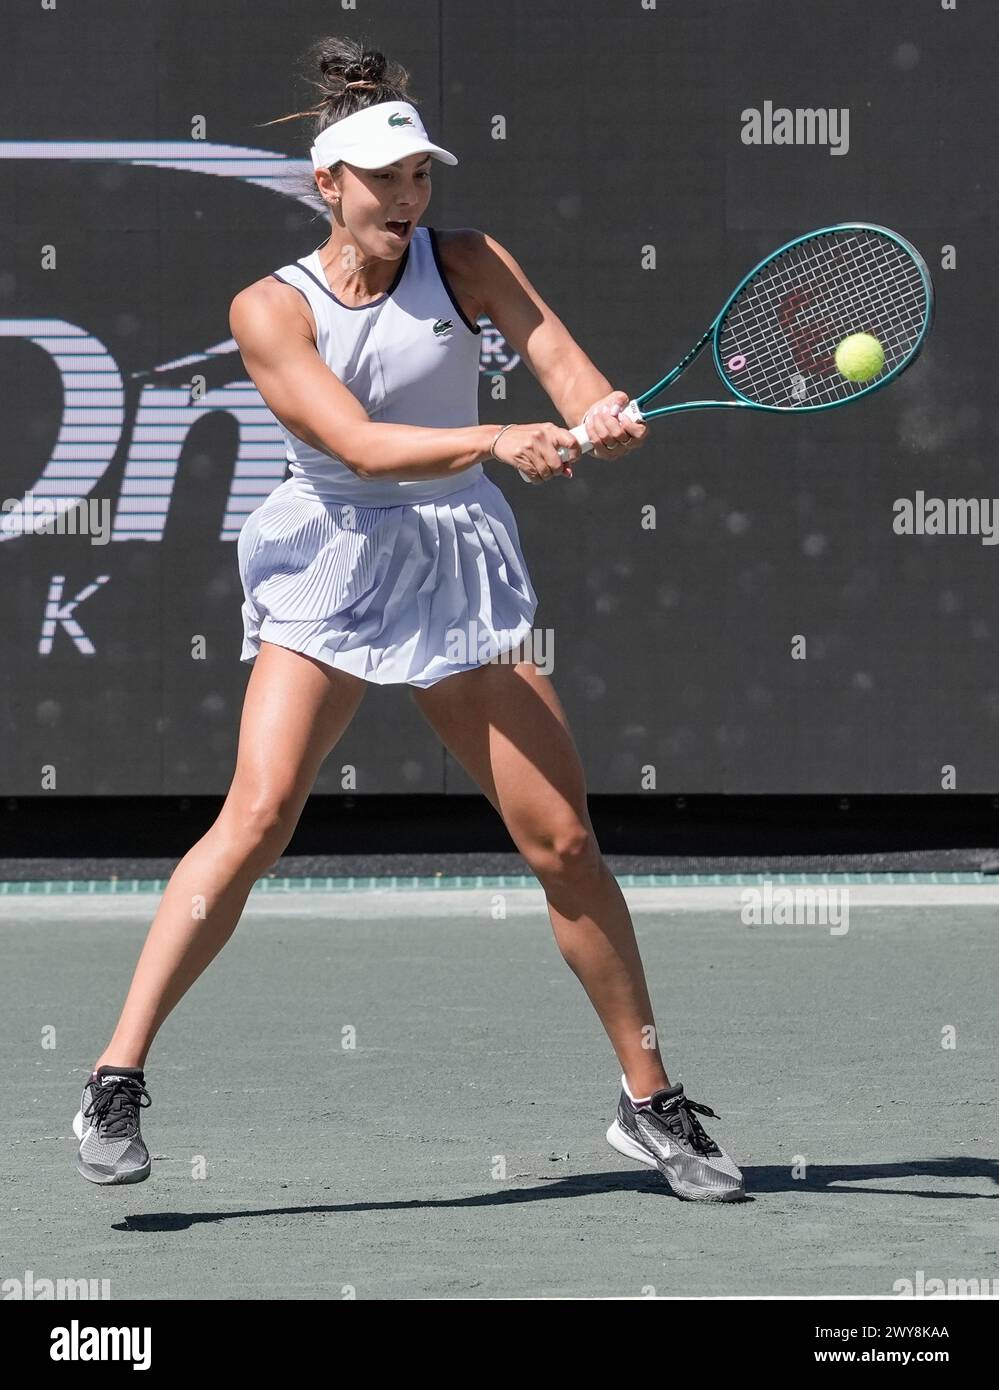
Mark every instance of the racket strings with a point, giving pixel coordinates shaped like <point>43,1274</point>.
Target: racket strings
<point>819,300</point>
<point>822,298</point>
<point>778,340</point>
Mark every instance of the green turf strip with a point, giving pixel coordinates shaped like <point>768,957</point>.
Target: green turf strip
<point>366,882</point>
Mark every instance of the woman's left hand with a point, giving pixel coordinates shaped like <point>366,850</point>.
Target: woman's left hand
<point>614,435</point>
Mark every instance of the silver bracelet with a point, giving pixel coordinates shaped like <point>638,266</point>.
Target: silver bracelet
<point>493,444</point>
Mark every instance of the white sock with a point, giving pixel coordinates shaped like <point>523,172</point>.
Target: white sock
<point>635,1100</point>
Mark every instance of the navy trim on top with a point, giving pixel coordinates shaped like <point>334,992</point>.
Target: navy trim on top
<point>276,276</point>
<point>403,262</point>
<point>444,280</point>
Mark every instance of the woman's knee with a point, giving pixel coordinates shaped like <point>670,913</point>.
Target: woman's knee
<point>565,854</point>
<point>258,832</point>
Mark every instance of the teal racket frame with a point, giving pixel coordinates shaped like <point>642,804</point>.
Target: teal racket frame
<point>713,335</point>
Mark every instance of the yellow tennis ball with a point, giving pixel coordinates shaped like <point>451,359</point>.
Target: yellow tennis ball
<point>860,357</point>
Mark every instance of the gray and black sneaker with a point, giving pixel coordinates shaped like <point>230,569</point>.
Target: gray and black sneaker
<point>665,1133</point>
<point>107,1126</point>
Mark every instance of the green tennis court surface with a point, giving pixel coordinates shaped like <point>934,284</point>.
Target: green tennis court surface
<point>403,1094</point>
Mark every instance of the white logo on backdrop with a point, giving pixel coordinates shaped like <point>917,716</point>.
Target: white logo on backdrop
<point>94,419</point>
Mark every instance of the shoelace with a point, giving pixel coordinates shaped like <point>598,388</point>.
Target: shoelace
<point>680,1120</point>
<point>115,1105</point>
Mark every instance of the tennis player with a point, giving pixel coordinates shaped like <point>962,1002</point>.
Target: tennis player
<point>385,546</point>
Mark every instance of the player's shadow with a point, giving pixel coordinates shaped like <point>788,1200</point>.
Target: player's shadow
<point>828,1179</point>
<point>853,1177</point>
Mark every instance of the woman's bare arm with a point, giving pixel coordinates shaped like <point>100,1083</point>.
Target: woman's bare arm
<point>530,326</point>
<point>280,355</point>
<point>575,386</point>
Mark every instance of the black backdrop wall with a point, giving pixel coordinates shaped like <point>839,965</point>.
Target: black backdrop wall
<point>623,144</point>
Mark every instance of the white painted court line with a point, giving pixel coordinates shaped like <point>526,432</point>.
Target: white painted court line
<point>393,903</point>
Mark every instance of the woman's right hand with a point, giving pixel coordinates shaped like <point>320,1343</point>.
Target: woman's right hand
<point>533,450</point>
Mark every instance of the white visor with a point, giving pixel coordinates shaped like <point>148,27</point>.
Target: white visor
<point>376,136</point>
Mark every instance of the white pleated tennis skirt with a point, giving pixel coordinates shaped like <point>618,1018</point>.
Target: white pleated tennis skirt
<point>404,594</point>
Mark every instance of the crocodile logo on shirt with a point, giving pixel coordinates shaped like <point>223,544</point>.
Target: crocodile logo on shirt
<point>397,119</point>
<point>443,326</point>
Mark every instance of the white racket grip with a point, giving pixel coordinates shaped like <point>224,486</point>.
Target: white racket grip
<point>585,442</point>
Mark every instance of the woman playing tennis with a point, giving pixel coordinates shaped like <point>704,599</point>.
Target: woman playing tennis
<point>385,546</point>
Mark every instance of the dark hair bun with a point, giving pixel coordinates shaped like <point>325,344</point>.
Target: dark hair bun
<point>346,63</point>
<point>370,67</point>
<point>351,77</point>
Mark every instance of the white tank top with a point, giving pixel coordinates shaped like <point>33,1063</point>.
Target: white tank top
<point>410,357</point>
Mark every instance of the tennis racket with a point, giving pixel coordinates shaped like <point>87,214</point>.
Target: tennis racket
<point>774,342</point>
